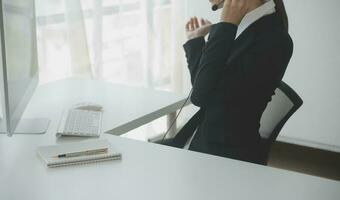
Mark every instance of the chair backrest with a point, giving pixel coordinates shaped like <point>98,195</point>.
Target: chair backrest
<point>284,104</point>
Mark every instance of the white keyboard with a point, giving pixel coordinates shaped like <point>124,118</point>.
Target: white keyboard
<point>78,122</point>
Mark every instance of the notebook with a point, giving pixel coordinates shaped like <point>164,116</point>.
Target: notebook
<point>49,154</point>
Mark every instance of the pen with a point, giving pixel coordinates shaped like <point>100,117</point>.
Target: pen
<point>83,153</point>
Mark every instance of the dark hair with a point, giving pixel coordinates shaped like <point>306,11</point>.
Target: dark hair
<point>281,11</point>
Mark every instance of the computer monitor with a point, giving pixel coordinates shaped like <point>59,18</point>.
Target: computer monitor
<point>19,66</point>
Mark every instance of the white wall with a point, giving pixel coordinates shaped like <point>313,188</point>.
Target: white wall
<point>313,72</point>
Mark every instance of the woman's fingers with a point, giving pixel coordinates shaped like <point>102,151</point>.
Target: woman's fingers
<point>196,24</point>
<point>203,22</point>
<point>197,27</point>
<point>192,24</point>
<point>227,2</point>
<point>187,26</point>
<point>207,22</point>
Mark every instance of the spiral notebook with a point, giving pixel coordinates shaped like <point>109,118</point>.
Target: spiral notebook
<point>49,154</point>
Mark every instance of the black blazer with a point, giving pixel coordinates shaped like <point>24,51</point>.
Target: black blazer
<point>233,80</point>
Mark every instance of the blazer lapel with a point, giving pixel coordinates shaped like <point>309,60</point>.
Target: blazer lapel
<point>241,45</point>
<point>249,35</point>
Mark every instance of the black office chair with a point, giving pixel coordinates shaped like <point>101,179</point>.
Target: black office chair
<point>283,105</point>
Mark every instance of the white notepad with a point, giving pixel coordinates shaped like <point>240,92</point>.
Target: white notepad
<point>49,153</point>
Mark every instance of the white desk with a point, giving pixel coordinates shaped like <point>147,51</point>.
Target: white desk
<point>125,108</point>
<point>147,171</point>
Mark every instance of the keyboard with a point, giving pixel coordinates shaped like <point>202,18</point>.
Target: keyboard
<point>83,123</point>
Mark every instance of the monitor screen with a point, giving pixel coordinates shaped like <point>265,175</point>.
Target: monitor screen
<point>21,56</point>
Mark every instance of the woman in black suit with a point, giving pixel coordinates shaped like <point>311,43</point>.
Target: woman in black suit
<point>234,74</point>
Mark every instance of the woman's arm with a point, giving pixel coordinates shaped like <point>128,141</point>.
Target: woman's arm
<point>212,61</point>
<point>193,48</point>
<point>217,50</point>
<point>193,52</point>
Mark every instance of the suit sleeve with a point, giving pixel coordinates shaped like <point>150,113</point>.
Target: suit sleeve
<point>193,51</point>
<point>212,61</point>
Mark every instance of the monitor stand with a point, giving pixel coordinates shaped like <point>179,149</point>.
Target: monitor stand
<point>32,126</point>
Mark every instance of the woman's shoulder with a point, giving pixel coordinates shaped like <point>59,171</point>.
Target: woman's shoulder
<point>275,39</point>
<point>277,36</point>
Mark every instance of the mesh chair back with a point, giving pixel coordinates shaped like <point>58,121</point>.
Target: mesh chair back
<point>284,104</point>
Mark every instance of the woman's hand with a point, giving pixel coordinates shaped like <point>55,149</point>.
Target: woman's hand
<point>234,10</point>
<point>194,29</point>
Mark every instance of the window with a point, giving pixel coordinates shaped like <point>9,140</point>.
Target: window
<point>128,41</point>
<point>125,41</point>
